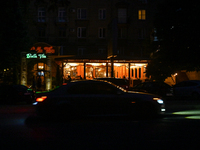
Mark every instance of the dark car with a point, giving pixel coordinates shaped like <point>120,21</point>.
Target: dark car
<point>158,88</point>
<point>86,98</point>
<point>11,94</point>
<point>118,81</point>
<point>187,89</point>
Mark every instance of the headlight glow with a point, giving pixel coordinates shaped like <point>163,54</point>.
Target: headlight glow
<point>160,101</point>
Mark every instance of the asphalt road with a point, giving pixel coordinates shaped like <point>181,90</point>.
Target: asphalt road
<point>177,129</point>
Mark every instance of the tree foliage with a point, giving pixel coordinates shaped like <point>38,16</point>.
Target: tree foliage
<point>178,47</point>
<point>13,34</point>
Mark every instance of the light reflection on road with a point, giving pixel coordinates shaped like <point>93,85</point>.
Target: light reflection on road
<point>190,114</point>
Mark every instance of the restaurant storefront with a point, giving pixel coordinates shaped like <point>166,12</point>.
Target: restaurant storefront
<point>90,69</point>
<point>44,61</point>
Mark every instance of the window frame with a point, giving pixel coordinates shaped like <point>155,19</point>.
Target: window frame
<point>102,14</point>
<point>61,14</point>
<point>102,32</point>
<point>41,14</point>
<point>80,32</point>
<point>141,33</point>
<point>142,14</point>
<point>122,15</point>
<point>80,13</point>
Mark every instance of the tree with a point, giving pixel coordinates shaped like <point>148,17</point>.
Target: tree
<point>13,35</point>
<point>177,29</point>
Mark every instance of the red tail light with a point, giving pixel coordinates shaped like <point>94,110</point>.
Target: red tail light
<point>41,99</point>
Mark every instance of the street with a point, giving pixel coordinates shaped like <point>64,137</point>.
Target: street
<point>20,128</point>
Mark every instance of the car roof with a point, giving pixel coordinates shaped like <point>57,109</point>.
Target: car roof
<point>114,80</point>
<point>196,81</point>
<point>86,81</point>
<point>109,78</point>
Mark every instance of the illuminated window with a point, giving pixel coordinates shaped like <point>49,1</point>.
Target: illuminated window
<point>41,73</point>
<point>41,14</point>
<point>82,13</point>
<point>142,14</point>
<point>102,14</point>
<point>41,66</point>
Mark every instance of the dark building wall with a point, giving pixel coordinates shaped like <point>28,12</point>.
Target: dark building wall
<point>132,33</point>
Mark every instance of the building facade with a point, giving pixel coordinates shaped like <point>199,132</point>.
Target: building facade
<point>90,39</point>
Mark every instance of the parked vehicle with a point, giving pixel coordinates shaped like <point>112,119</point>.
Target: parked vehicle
<point>83,98</point>
<point>11,94</point>
<point>158,88</point>
<point>187,89</point>
<point>118,81</point>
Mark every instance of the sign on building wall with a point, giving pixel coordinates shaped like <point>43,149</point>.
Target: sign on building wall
<point>40,56</point>
<point>46,50</point>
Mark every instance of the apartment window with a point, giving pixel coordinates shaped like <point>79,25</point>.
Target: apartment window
<point>81,33</point>
<point>102,13</point>
<point>41,32</point>
<point>82,13</point>
<point>102,32</point>
<point>41,14</point>
<point>62,32</point>
<point>81,51</point>
<point>141,33</point>
<point>122,15</point>
<point>142,14</point>
<point>61,15</point>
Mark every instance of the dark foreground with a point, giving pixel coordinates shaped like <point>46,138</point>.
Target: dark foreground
<point>21,129</point>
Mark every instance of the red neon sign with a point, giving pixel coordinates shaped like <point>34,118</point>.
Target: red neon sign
<point>46,49</point>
